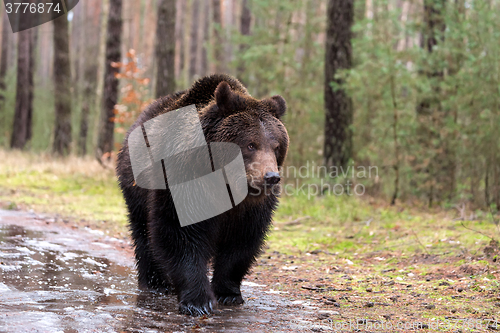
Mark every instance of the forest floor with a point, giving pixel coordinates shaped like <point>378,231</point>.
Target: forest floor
<point>361,264</point>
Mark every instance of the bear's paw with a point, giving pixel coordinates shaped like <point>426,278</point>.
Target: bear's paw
<point>230,300</point>
<point>191,309</point>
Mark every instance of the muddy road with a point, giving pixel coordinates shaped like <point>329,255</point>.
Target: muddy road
<point>54,278</point>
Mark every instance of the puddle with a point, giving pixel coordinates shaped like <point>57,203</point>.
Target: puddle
<point>60,280</point>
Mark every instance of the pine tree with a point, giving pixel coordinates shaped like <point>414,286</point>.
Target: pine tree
<point>338,105</point>
<point>62,85</point>
<point>165,48</point>
<point>110,94</point>
<point>23,116</point>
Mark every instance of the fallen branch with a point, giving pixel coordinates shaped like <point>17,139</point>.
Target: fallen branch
<point>297,220</point>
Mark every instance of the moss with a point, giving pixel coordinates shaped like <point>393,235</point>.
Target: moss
<point>80,188</point>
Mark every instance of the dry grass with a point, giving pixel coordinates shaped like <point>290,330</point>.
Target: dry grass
<point>16,161</point>
<point>81,190</point>
<point>71,188</point>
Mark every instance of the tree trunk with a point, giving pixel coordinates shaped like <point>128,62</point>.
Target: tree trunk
<point>179,38</point>
<point>89,80</point>
<point>193,47</point>
<point>430,113</point>
<point>101,67</point>
<point>4,55</point>
<point>91,54</point>
<point>205,38</point>
<point>217,39</point>
<point>21,131</point>
<point>186,35</point>
<point>3,71</point>
<point>149,38</point>
<point>135,24</point>
<point>310,7</point>
<point>338,134</point>
<point>165,48</point>
<point>110,94</point>
<point>245,20</point>
<point>12,51</point>
<point>33,43</point>
<point>228,18</point>
<point>76,49</point>
<point>45,53</point>
<point>62,84</point>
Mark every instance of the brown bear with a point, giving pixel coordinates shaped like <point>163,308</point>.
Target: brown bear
<point>171,257</point>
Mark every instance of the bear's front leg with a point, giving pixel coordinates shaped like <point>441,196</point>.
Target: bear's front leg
<point>227,278</point>
<point>190,280</point>
<point>182,255</point>
<point>234,257</point>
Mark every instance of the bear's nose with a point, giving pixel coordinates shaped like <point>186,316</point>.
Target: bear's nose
<point>272,178</point>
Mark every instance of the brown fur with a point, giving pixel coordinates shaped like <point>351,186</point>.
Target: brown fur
<point>169,256</point>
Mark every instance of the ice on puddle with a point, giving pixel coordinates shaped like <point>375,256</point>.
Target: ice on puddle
<point>93,262</point>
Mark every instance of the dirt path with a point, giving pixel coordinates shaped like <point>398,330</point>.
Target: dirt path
<point>388,293</point>
<point>58,278</point>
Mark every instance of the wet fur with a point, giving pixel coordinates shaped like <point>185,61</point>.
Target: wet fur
<point>173,258</point>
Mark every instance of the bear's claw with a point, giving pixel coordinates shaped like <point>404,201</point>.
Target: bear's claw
<point>230,300</point>
<point>193,310</point>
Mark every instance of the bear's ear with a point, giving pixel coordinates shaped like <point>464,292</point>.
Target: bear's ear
<point>227,100</point>
<point>280,106</point>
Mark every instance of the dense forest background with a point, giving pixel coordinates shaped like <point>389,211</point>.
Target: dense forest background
<point>409,86</point>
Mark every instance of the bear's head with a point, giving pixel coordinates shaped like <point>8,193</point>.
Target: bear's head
<point>256,127</point>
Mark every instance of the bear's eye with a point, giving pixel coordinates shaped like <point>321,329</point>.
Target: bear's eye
<point>251,146</point>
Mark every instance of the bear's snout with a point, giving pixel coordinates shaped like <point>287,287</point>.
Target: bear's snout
<point>272,178</point>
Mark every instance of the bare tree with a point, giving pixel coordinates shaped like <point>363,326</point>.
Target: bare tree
<point>228,19</point>
<point>147,38</point>
<point>3,69</point>
<point>165,48</point>
<point>12,50</point>
<point>22,128</point>
<point>110,95</point>
<point>89,80</point>
<point>91,54</point>
<point>217,39</point>
<point>186,18</point>
<point>245,20</point>
<point>4,53</point>
<point>179,38</point>
<point>101,67</point>
<point>77,48</point>
<point>62,84</point>
<point>204,38</point>
<point>193,47</point>
<point>338,134</point>
<point>430,113</point>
